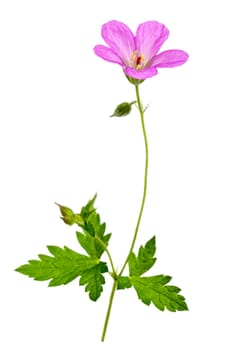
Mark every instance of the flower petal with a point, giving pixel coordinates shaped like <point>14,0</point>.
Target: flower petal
<point>142,73</point>
<point>149,38</point>
<point>169,58</point>
<point>120,39</point>
<point>107,54</point>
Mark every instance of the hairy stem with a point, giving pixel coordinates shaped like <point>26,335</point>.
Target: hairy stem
<point>141,111</point>
<point>114,286</point>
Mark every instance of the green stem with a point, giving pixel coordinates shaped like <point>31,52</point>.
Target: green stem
<point>109,309</point>
<point>141,111</point>
<point>114,274</point>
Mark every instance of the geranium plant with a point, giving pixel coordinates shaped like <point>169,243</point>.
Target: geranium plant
<point>139,57</point>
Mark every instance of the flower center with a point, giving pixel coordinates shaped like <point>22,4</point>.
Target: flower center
<point>137,61</point>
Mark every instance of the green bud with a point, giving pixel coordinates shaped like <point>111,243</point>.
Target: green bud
<point>123,109</point>
<point>69,217</point>
<point>67,220</point>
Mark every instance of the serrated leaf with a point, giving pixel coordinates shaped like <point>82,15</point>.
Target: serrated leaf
<point>94,279</point>
<point>153,289</point>
<point>61,268</point>
<point>93,231</point>
<point>88,243</point>
<point>88,208</point>
<point>138,265</point>
<point>91,245</point>
<point>123,282</point>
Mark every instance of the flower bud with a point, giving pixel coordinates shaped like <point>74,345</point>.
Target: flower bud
<point>123,109</point>
<point>69,217</point>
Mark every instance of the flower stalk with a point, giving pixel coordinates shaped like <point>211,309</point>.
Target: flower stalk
<point>141,111</point>
<point>114,287</point>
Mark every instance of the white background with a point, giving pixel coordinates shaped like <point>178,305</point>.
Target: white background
<point>58,144</point>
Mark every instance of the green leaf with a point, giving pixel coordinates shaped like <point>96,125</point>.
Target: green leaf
<point>93,231</point>
<point>154,289</point>
<point>88,243</point>
<point>138,265</point>
<point>88,208</point>
<point>61,268</point>
<point>123,282</point>
<point>91,245</point>
<point>94,280</point>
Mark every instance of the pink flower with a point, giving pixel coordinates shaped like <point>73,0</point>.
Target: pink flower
<point>138,55</point>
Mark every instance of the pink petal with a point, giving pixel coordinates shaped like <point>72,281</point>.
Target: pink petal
<point>149,38</point>
<point>120,39</point>
<point>169,58</point>
<point>107,54</point>
<point>141,74</point>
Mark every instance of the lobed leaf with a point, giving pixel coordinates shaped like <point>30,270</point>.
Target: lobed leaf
<point>93,231</point>
<point>88,208</point>
<point>123,282</point>
<point>63,267</point>
<point>138,265</point>
<point>153,289</point>
<point>94,279</point>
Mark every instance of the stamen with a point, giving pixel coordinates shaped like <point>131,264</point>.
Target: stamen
<point>137,61</point>
<point>140,62</point>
